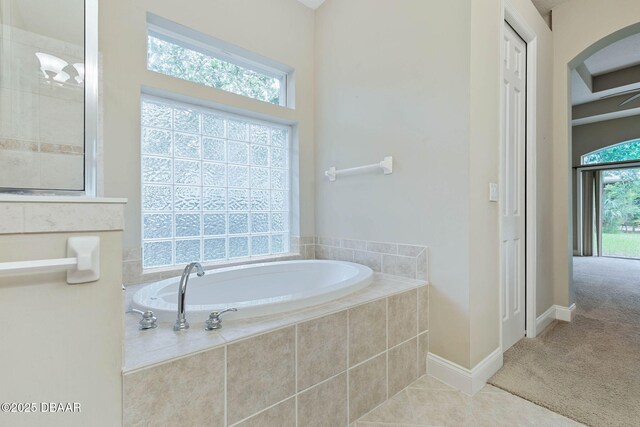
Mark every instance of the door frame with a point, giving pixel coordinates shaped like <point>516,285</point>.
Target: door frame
<point>519,24</point>
<point>600,207</point>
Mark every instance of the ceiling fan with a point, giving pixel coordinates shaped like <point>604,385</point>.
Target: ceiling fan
<point>635,94</point>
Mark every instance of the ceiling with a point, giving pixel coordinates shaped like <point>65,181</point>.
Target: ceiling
<point>616,56</point>
<point>545,6</point>
<point>313,4</point>
<point>601,87</point>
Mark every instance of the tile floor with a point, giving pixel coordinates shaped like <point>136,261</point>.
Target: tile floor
<point>429,402</point>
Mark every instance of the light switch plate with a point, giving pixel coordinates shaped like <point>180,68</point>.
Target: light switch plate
<point>493,192</point>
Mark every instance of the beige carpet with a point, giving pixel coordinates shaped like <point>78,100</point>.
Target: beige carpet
<point>589,369</point>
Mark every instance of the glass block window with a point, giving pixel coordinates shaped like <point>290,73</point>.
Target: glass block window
<point>215,186</point>
<point>213,67</point>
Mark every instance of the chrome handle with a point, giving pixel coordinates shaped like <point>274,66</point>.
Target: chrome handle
<point>218,313</point>
<point>148,320</point>
<point>214,321</point>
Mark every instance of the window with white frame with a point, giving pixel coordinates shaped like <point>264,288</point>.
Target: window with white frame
<point>186,54</point>
<point>215,186</point>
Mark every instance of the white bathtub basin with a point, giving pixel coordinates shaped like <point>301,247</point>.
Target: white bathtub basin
<point>255,290</point>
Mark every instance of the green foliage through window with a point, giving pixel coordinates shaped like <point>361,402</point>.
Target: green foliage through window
<point>621,200</point>
<point>621,213</point>
<point>624,151</point>
<point>179,61</point>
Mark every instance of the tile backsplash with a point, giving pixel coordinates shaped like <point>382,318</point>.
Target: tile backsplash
<point>396,259</point>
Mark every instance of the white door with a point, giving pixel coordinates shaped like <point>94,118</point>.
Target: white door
<point>512,184</point>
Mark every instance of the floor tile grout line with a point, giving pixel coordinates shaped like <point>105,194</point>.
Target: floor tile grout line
<point>387,347</point>
<point>348,363</point>
<point>226,383</point>
<point>417,331</point>
<point>449,391</point>
<point>262,411</point>
<point>322,382</point>
<point>295,395</point>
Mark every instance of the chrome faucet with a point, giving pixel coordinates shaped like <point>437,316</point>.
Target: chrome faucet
<point>214,321</point>
<point>181,322</point>
<point>148,320</point>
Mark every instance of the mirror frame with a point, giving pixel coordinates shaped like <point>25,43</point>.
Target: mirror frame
<point>91,93</point>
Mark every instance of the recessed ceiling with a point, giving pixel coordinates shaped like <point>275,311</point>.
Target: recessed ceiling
<point>313,4</point>
<point>621,54</point>
<point>606,85</point>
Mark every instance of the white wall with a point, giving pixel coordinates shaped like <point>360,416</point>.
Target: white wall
<point>484,166</point>
<point>392,78</point>
<point>61,343</point>
<point>487,21</point>
<point>278,29</point>
<point>593,136</point>
<point>421,81</point>
<point>580,28</point>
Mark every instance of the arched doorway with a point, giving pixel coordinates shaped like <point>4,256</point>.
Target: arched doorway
<point>581,29</point>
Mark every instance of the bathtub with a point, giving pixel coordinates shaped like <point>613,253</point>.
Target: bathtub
<point>255,290</point>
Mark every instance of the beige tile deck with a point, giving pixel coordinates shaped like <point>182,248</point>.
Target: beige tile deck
<point>145,348</point>
<point>429,402</point>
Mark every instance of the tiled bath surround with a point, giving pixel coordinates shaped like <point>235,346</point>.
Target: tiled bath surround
<point>389,258</point>
<point>326,365</point>
<point>410,261</point>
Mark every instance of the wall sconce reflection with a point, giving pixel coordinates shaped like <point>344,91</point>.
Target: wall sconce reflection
<point>79,66</point>
<point>58,70</point>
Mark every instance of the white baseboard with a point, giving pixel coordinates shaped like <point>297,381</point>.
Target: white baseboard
<point>468,381</point>
<point>565,313</point>
<point>546,318</point>
<point>555,312</point>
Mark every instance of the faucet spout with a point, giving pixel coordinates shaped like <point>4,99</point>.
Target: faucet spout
<point>199,270</point>
<point>181,322</point>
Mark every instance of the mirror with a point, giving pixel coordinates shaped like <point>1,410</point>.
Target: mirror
<point>43,88</point>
